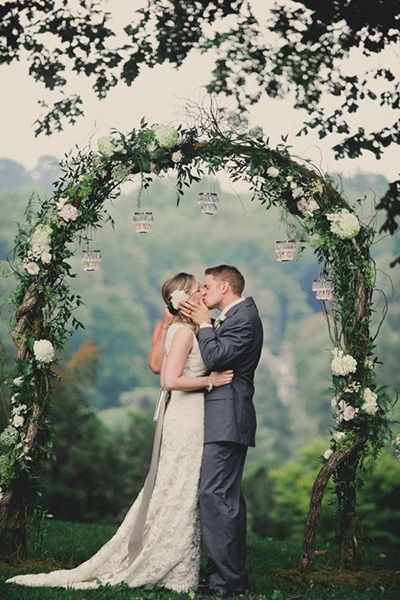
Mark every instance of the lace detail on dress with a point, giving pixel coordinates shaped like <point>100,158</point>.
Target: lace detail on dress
<point>170,556</point>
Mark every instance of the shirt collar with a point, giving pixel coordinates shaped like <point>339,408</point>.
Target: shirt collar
<point>231,305</point>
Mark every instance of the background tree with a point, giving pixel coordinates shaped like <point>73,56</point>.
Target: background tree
<point>311,42</point>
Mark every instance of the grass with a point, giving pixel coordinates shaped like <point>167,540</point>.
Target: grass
<point>270,565</point>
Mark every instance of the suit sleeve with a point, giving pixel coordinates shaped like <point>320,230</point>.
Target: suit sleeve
<point>219,351</point>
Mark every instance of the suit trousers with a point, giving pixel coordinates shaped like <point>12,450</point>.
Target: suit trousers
<point>223,514</point>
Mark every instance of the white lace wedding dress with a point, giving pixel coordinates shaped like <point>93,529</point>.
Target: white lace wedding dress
<point>170,551</point>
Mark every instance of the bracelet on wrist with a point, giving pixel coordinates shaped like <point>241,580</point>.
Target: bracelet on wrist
<point>210,384</point>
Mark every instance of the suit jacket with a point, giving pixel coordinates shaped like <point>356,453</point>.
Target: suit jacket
<point>236,344</point>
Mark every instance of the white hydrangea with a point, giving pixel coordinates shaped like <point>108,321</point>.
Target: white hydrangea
<point>370,404</point>
<point>43,351</point>
<point>342,364</point>
<point>166,136</point>
<point>40,240</point>
<point>107,145</point>
<point>344,224</point>
<point>177,297</point>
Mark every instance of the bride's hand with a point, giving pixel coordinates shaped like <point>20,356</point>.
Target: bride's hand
<point>219,378</point>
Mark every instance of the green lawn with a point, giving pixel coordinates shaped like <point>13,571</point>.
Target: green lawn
<point>67,544</point>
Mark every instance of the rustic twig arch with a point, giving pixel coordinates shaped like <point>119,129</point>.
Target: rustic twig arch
<point>45,304</point>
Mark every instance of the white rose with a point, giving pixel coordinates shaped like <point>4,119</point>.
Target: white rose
<point>177,297</point>
<point>338,435</point>
<point>46,258</point>
<point>68,212</point>
<point>166,136</point>
<point>18,381</point>
<point>328,454</point>
<point>18,421</point>
<point>342,364</point>
<point>32,268</point>
<point>177,156</point>
<point>43,351</point>
<point>256,132</point>
<point>297,192</point>
<point>370,404</point>
<point>272,172</point>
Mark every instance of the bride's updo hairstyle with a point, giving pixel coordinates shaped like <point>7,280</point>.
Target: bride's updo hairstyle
<point>183,282</point>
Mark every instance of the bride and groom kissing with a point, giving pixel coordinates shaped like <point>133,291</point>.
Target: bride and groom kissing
<point>205,423</point>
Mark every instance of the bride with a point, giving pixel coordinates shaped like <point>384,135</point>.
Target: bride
<point>158,542</point>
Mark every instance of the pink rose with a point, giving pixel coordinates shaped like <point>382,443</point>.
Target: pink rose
<point>18,421</point>
<point>68,212</point>
<point>32,268</point>
<point>176,156</point>
<point>305,205</point>
<point>46,258</point>
<point>347,412</point>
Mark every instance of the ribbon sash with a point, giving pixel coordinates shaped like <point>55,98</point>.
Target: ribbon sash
<point>135,543</point>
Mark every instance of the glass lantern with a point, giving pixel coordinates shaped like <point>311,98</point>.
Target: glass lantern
<point>324,289</point>
<point>285,251</point>
<point>208,202</point>
<point>91,260</point>
<point>143,221</point>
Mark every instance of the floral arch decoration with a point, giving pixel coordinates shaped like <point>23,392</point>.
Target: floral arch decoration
<point>45,304</point>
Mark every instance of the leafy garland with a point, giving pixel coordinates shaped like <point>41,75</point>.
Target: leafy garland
<point>312,204</point>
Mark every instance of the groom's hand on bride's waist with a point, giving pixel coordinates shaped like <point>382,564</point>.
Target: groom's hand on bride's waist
<point>199,313</point>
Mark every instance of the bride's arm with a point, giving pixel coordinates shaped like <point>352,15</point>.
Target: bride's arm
<point>172,377</point>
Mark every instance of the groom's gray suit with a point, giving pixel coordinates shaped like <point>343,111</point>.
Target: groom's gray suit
<point>230,425</point>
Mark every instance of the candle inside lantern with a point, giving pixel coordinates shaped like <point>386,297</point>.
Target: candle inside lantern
<point>208,202</point>
<point>143,221</point>
<point>285,250</point>
<point>91,260</point>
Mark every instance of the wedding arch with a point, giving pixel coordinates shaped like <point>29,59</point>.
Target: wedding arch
<point>45,304</point>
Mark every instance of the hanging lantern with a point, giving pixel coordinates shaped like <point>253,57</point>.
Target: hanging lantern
<point>323,289</point>
<point>143,221</point>
<point>208,202</point>
<point>285,251</point>
<point>91,260</point>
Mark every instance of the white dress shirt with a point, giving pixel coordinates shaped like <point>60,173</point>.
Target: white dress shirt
<point>223,312</point>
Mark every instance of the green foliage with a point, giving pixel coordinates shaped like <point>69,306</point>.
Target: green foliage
<point>96,473</point>
<point>278,498</point>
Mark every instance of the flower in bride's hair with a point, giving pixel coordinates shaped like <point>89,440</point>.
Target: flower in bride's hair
<point>177,297</point>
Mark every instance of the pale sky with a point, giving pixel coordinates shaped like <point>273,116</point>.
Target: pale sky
<point>159,95</point>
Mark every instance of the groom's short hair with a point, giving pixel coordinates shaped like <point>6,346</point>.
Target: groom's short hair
<point>230,274</point>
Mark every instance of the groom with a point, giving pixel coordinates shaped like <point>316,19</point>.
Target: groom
<point>233,342</point>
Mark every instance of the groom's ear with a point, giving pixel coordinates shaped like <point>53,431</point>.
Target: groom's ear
<point>225,287</point>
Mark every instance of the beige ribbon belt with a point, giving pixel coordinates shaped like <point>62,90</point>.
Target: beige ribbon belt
<point>135,544</point>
